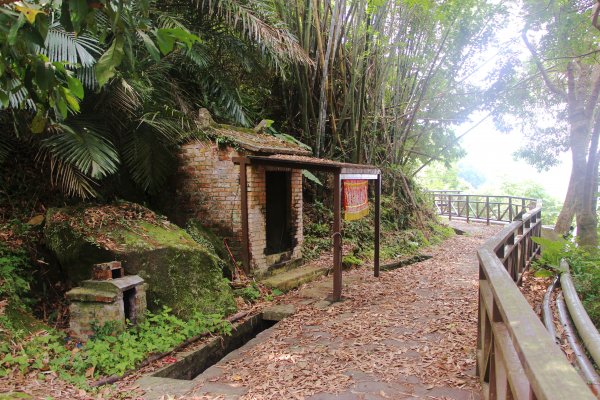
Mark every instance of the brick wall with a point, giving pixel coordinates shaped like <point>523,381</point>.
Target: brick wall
<point>208,190</point>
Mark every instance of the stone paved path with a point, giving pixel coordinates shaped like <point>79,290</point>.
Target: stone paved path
<point>409,334</point>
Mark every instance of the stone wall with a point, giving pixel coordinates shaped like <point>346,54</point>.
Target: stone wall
<point>208,190</point>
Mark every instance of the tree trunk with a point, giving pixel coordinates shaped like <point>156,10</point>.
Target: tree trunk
<point>587,219</point>
<point>565,218</point>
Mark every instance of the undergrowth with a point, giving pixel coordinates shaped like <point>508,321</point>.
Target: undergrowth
<point>105,353</point>
<point>398,237</point>
<point>585,269</point>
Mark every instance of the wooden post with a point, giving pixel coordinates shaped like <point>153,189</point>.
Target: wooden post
<point>244,200</point>
<point>487,207</point>
<point>377,224</point>
<point>510,209</point>
<point>467,207</point>
<point>523,206</point>
<point>449,207</point>
<point>337,237</point>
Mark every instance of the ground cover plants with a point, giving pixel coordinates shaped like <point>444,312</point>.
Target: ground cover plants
<point>106,353</point>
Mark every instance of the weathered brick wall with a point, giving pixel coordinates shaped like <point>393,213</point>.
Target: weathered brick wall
<point>208,190</point>
<point>297,212</point>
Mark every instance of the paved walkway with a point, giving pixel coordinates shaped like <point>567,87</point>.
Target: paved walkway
<point>409,334</point>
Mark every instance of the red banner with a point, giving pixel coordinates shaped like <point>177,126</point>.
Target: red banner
<point>356,198</point>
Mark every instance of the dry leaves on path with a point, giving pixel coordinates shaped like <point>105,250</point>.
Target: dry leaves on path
<point>420,321</point>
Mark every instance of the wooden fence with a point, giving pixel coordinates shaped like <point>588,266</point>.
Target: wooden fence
<point>516,356</point>
<point>454,204</point>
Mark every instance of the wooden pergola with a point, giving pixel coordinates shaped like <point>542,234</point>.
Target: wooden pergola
<point>341,171</point>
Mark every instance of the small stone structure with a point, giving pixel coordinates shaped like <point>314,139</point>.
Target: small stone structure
<point>208,190</point>
<point>108,297</point>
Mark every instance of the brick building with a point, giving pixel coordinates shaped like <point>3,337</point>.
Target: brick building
<point>209,190</point>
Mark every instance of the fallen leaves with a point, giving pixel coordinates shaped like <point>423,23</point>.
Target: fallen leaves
<point>420,320</point>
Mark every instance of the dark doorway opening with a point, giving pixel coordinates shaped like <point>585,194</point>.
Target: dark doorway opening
<point>279,213</point>
<point>129,305</point>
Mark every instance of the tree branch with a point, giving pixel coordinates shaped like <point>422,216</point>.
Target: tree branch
<point>536,59</point>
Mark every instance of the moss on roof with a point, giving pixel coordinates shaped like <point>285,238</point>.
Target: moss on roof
<point>254,141</point>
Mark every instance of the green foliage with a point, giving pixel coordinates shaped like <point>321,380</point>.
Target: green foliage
<point>438,176</point>
<point>14,275</point>
<point>528,188</point>
<point>350,261</point>
<point>249,293</point>
<point>553,251</point>
<point>584,266</point>
<point>107,353</point>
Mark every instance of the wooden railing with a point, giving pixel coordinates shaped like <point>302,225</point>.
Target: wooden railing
<point>516,356</point>
<point>454,204</point>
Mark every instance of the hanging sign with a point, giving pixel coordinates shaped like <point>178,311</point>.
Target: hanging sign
<point>356,198</point>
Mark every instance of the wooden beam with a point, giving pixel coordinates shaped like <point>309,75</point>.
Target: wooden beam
<point>337,237</point>
<point>359,176</point>
<point>377,224</point>
<point>243,162</point>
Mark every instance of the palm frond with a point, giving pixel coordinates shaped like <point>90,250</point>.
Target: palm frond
<point>64,46</point>
<point>71,180</point>
<point>120,103</point>
<point>170,124</point>
<point>18,96</point>
<point>167,21</point>
<point>276,42</point>
<point>84,148</point>
<point>198,56</point>
<point>87,76</point>
<point>148,160</point>
<point>223,100</point>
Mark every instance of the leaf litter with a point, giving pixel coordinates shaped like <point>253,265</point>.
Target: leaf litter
<point>419,321</point>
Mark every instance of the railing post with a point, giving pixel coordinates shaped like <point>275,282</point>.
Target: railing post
<point>510,209</point>
<point>449,207</point>
<point>498,217</point>
<point>487,207</point>
<point>467,207</point>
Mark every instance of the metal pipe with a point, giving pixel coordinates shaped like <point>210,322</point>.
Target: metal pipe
<point>547,316</point>
<point>586,368</point>
<point>585,327</point>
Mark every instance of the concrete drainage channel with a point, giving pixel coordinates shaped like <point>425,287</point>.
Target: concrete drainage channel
<point>195,365</point>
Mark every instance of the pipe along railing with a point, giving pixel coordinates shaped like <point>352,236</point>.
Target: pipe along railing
<point>576,324</point>
<point>516,357</point>
<point>454,204</point>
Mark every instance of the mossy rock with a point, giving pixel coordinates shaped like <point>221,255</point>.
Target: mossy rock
<point>16,320</point>
<point>210,240</point>
<point>180,272</point>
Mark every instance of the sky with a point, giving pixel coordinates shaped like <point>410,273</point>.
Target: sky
<point>490,153</point>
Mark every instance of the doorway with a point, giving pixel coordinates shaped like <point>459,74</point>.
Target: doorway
<point>279,213</point>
